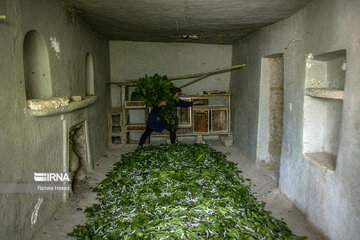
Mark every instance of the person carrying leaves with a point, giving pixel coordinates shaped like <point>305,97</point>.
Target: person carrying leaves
<point>164,110</point>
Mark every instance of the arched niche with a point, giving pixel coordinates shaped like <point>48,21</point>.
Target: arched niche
<point>36,67</point>
<point>89,75</point>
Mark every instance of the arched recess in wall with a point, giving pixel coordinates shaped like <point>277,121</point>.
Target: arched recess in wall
<point>36,67</point>
<point>89,75</point>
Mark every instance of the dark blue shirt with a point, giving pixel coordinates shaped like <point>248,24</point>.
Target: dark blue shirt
<point>158,123</point>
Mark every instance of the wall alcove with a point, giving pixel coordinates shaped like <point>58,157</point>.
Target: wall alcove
<point>89,75</point>
<point>323,107</point>
<point>36,67</point>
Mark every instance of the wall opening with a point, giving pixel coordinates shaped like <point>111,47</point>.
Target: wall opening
<point>89,75</point>
<point>271,109</point>
<point>323,107</point>
<point>36,67</point>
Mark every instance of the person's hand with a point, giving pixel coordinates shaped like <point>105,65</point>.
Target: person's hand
<point>163,103</point>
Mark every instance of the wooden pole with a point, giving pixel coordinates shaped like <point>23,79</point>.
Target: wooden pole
<point>187,76</point>
<point>210,73</point>
<point>194,81</point>
<point>207,73</point>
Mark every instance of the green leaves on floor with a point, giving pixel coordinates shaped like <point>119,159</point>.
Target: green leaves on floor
<point>178,191</point>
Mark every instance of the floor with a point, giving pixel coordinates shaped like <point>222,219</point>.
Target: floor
<point>264,187</point>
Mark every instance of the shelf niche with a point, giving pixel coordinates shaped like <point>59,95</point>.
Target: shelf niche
<point>36,67</point>
<point>323,107</point>
<point>89,75</point>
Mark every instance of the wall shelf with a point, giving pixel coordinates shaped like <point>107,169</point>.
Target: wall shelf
<point>135,127</point>
<point>134,105</point>
<point>73,106</point>
<point>322,159</point>
<point>323,112</point>
<point>325,93</point>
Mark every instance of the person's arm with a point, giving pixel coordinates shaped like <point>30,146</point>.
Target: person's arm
<point>185,104</point>
<point>163,103</point>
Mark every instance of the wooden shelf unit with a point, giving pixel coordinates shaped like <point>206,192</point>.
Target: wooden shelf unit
<point>210,117</point>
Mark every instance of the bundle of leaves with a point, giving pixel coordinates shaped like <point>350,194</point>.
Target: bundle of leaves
<point>178,192</point>
<point>154,89</point>
<point>169,113</point>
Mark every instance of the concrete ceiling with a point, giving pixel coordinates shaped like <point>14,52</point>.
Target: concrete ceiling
<point>212,21</point>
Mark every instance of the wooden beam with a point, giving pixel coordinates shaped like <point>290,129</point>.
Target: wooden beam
<point>194,81</point>
<point>216,71</point>
<point>201,75</point>
<point>207,75</point>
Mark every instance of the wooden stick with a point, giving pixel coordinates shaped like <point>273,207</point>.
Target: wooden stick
<point>207,73</point>
<point>194,81</point>
<point>216,71</point>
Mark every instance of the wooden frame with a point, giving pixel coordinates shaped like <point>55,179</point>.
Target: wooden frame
<point>214,122</point>
<point>134,104</point>
<point>188,123</point>
<point>195,121</point>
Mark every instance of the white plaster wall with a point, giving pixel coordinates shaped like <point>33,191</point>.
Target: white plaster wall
<point>29,144</point>
<point>263,137</point>
<point>329,199</point>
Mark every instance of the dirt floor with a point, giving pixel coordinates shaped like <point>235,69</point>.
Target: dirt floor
<point>68,215</point>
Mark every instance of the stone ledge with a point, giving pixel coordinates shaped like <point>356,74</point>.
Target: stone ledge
<point>324,93</point>
<point>322,159</point>
<point>72,106</point>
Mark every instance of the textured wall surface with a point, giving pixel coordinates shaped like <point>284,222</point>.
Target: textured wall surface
<point>213,21</point>
<point>330,199</point>
<point>131,60</point>
<point>30,144</point>
<point>271,104</point>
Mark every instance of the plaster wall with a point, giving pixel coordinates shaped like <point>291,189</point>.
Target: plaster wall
<point>330,199</point>
<point>30,144</point>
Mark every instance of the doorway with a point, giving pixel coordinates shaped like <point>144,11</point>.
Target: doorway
<point>271,112</point>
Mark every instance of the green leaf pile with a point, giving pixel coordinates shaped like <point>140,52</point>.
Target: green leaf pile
<point>154,89</point>
<point>178,191</point>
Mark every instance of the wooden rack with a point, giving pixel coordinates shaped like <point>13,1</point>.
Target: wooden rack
<point>210,117</point>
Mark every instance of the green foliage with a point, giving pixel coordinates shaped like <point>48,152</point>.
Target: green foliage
<point>178,192</point>
<point>169,113</point>
<point>154,89</point>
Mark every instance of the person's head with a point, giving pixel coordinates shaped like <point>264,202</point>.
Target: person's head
<point>176,91</point>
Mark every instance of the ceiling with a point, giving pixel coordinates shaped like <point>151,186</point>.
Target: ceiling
<point>203,21</point>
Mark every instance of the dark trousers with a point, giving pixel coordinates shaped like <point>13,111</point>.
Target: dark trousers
<point>147,133</point>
